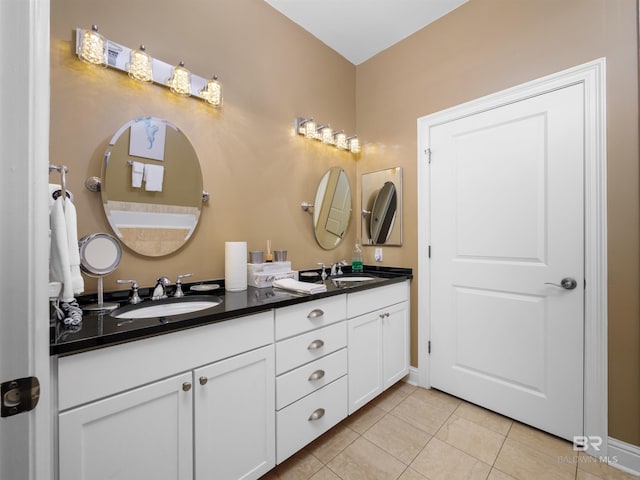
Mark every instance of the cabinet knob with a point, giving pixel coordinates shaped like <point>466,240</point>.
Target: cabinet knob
<point>203,380</point>
<point>186,386</point>
<point>316,344</point>
<point>315,313</point>
<point>317,375</point>
<point>316,415</point>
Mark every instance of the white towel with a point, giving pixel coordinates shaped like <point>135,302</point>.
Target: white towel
<point>137,172</point>
<point>153,175</point>
<point>59,266</point>
<point>300,287</point>
<point>70,217</point>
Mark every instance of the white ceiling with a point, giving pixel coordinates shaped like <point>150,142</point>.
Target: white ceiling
<point>358,29</point>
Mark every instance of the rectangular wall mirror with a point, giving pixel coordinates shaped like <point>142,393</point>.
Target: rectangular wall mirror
<point>382,207</point>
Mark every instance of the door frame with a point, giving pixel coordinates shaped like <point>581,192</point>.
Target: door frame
<point>26,441</point>
<point>592,76</point>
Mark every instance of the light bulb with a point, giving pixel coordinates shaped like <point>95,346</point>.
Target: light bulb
<point>212,93</point>
<point>140,65</point>
<point>92,47</point>
<point>180,82</point>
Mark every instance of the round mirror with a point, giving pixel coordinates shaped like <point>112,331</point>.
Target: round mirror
<point>151,186</point>
<point>332,210</point>
<point>383,213</point>
<point>100,255</point>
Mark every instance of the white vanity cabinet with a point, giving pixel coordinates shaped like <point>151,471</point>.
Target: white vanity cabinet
<point>234,421</point>
<point>142,433</point>
<point>311,371</point>
<point>198,401</point>
<point>378,341</point>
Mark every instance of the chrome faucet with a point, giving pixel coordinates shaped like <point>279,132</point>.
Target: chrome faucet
<point>134,298</point>
<point>160,290</point>
<point>336,268</point>
<point>179,293</point>
<point>323,274</point>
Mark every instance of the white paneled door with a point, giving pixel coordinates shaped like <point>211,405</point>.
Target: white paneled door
<point>507,259</point>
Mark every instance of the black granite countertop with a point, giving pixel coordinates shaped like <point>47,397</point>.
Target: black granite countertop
<point>103,329</point>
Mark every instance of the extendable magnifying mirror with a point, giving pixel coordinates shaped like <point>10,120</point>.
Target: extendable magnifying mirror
<point>100,255</point>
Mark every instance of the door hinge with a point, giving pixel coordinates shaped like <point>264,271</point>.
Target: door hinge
<point>429,251</point>
<point>427,152</point>
<point>429,347</point>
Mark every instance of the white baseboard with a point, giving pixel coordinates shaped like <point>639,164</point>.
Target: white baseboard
<point>624,456</point>
<point>413,376</point>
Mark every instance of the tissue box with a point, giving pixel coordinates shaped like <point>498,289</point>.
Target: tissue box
<point>262,275</point>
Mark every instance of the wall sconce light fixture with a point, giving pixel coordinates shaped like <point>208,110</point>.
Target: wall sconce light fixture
<point>91,47</point>
<point>140,65</point>
<point>180,81</point>
<point>212,93</point>
<point>309,129</point>
<point>353,144</point>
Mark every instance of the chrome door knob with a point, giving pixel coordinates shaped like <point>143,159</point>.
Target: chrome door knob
<point>566,283</point>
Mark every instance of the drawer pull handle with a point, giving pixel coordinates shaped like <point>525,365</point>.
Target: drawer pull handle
<point>315,313</point>
<point>317,375</point>
<point>186,386</point>
<point>316,344</point>
<point>203,380</point>
<point>317,415</point>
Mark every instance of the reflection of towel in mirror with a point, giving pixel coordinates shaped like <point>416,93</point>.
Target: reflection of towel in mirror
<point>63,252</point>
<point>137,172</point>
<point>153,176</point>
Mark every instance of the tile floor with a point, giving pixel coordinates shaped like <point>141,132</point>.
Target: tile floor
<point>410,433</point>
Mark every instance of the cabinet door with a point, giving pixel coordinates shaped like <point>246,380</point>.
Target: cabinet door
<point>143,433</point>
<point>395,343</point>
<point>365,359</point>
<point>235,417</point>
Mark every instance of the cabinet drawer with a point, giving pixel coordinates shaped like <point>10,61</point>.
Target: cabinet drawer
<point>307,316</point>
<point>359,303</point>
<point>310,417</point>
<point>310,346</point>
<point>310,377</point>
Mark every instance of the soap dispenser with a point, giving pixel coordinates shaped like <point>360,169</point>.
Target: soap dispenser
<point>356,259</point>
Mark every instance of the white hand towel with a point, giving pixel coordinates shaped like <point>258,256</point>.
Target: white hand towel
<point>59,266</point>
<point>153,175</point>
<point>70,217</point>
<point>137,172</point>
<point>300,287</point>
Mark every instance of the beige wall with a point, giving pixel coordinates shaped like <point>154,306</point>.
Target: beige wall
<point>258,172</point>
<point>489,45</point>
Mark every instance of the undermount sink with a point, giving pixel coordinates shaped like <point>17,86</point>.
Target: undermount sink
<point>352,278</point>
<point>167,309</point>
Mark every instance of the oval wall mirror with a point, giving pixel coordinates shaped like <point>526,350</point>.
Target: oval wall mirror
<point>382,207</point>
<point>332,208</point>
<point>151,186</point>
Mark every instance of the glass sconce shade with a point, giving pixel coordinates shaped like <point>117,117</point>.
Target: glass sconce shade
<point>140,65</point>
<point>326,135</point>
<point>341,141</point>
<point>212,93</point>
<point>180,82</point>
<point>310,129</point>
<point>354,144</point>
<point>92,47</point>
